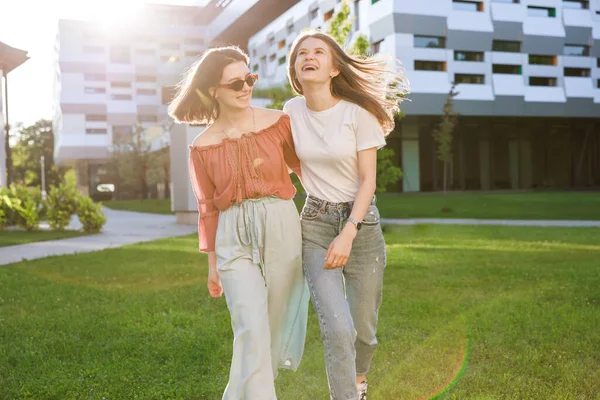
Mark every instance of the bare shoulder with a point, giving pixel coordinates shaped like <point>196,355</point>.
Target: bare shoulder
<point>266,117</point>
<point>207,138</point>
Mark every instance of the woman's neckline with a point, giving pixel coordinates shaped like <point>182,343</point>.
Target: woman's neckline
<point>326,111</point>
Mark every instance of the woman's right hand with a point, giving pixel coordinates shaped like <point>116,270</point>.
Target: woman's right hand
<point>215,288</point>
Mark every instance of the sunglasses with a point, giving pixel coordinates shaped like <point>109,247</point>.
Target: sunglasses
<point>238,84</point>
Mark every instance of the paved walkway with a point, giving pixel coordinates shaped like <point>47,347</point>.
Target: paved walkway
<point>126,227</point>
<point>121,228</point>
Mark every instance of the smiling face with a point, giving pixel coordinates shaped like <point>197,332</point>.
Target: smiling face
<point>314,62</point>
<point>229,98</point>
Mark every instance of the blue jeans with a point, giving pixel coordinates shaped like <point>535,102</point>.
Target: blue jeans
<point>346,300</point>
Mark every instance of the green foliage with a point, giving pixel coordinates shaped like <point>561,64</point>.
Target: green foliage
<point>21,206</point>
<point>360,47</point>
<point>341,24</point>
<point>387,171</point>
<point>443,136</point>
<point>90,215</point>
<point>62,204</point>
<point>278,95</point>
<point>29,215</point>
<point>33,142</point>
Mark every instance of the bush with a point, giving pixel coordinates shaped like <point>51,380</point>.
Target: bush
<point>2,217</point>
<point>62,204</point>
<point>90,214</point>
<point>22,206</point>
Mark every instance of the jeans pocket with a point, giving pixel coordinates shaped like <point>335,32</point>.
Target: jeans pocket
<point>372,216</point>
<point>309,213</point>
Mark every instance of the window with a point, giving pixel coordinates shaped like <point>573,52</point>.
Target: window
<point>507,69</point>
<point>95,117</point>
<point>506,46</point>
<point>534,11</point>
<point>94,77</point>
<point>168,93</point>
<point>464,5</point>
<point>95,130</point>
<point>327,16</point>
<point>576,50</point>
<point>169,46</point>
<point>120,84</point>
<point>542,60</point>
<point>120,55</point>
<point>145,78</point>
<point>272,57</point>
<point>506,1</point>
<point>469,79</point>
<point>578,72</point>
<point>598,83</point>
<point>476,56</point>
<point>430,41</point>
<point>93,49</point>
<point>377,47</point>
<point>290,28</point>
<point>430,65</point>
<point>147,118</point>
<point>199,41</point>
<point>120,97</point>
<point>281,60</point>
<point>169,59</point>
<point>191,54</point>
<point>541,81</point>
<point>356,16</point>
<point>94,90</point>
<point>255,68</point>
<point>145,52</point>
<point>598,63</point>
<point>578,4</point>
<point>146,92</point>
<point>314,13</point>
<point>271,39</point>
<point>281,44</point>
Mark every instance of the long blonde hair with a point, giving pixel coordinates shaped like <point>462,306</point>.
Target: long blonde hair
<point>367,82</point>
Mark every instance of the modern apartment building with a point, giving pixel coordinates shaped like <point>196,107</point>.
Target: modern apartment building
<point>109,81</point>
<point>528,75</point>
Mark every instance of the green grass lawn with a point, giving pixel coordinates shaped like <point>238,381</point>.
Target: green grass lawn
<point>10,238</point>
<point>524,205</point>
<point>136,322</point>
<point>154,206</point>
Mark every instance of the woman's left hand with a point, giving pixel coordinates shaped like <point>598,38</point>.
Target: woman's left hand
<point>339,249</point>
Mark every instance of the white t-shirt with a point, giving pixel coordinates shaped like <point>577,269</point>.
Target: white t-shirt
<point>327,143</point>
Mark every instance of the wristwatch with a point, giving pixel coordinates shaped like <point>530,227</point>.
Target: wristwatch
<point>357,224</point>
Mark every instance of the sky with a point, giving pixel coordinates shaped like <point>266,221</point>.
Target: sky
<point>31,25</point>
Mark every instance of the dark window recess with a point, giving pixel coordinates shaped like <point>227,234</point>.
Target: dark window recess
<point>147,92</point>
<point>430,65</point>
<point>506,46</point>
<point>120,84</point>
<point>541,81</point>
<point>94,90</point>
<point>469,79</point>
<point>95,130</point>
<point>464,5</point>
<point>169,46</point>
<point>377,47</point>
<point>578,72</point>
<point>193,41</point>
<point>145,78</point>
<point>281,44</point>
<point>327,16</point>
<point>598,83</point>
<point>192,54</point>
<point>577,4</point>
<point>314,13</point>
<point>535,59</point>
<point>147,118</point>
<point>476,56</point>
<point>435,42</point>
<point>507,69</point>
<point>145,52</point>
<point>535,11</point>
<point>506,1</point>
<point>576,50</point>
<point>122,131</point>
<point>281,60</point>
<point>272,57</point>
<point>168,93</point>
<point>95,117</point>
<point>121,97</point>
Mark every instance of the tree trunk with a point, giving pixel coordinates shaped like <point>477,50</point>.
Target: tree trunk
<point>445,183</point>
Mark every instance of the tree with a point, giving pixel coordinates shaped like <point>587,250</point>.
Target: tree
<point>33,142</point>
<point>443,137</point>
<point>129,164</point>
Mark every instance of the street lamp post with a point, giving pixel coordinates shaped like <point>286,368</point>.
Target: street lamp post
<point>43,178</point>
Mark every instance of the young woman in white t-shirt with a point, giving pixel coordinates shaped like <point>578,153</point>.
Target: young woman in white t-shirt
<point>345,110</point>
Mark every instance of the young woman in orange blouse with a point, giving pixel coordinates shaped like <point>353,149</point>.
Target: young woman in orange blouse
<point>248,223</point>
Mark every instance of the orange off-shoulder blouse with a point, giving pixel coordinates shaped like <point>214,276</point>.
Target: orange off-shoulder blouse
<point>252,166</point>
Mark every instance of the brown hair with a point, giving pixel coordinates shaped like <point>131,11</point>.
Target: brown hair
<point>364,81</point>
<point>193,102</point>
